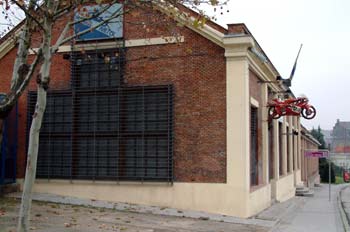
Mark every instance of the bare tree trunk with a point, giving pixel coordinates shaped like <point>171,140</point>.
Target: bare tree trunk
<point>23,224</point>
<point>43,80</point>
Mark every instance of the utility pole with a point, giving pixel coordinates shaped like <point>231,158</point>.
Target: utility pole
<point>329,172</point>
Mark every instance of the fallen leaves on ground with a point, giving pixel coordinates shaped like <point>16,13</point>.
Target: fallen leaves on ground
<point>2,212</point>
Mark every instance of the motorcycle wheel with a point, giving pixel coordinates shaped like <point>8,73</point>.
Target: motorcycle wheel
<point>272,113</point>
<point>309,113</point>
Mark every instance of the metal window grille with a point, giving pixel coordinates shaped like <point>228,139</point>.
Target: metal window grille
<point>102,130</point>
<point>280,136</point>
<point>271,151</point>
<point>294,150</point>
<point>271,154</point>
<point>288,151</point>
<point>254,161</point>
<point>97,69</point>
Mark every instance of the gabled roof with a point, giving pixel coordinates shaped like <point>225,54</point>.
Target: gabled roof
<point>344,124</point>
<point>306,133</point>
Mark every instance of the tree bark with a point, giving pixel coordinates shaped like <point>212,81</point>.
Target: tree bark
<point>33,147</point>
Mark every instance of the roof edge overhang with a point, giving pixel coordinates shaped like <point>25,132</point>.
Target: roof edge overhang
<point>8,42</point>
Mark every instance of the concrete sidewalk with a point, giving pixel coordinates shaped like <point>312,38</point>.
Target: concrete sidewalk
<point>345,205</point>
<point>298,214</point>
<point>153,210</point>
<point>313,214</point>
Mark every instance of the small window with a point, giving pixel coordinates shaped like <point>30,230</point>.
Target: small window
<point>101,69</point>
<point>271,152</point>
<point>280,142</point>
<point>254,155</point>
<point>288,151</point>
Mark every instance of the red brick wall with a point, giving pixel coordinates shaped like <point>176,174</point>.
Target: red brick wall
<point>196,68</point>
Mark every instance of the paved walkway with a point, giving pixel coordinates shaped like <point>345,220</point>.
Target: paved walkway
<point>345,204</point>
<point>53,217</point>
<point>313,214</point>
<point>299,214</point>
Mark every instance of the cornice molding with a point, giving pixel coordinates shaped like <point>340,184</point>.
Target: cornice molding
<point>237,46</point>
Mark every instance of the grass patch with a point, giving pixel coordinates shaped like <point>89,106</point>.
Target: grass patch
<point>339,180</point>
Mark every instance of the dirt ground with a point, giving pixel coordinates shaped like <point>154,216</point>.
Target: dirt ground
<point>62,218</point>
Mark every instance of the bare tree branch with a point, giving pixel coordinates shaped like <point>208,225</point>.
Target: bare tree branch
<point>22,52</point>
<point>60,39</point>
<point>13,96</point>
<point>63,11</point>
<point>27,13</point>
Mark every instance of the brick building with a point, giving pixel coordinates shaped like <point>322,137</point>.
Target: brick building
<point>339,143</point>
<point>340,135</point>
<point>151,119</point>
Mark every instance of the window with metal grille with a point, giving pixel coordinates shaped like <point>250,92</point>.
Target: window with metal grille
<point>280,142</point>
<point>288,151</point>
<point>295,160</point>
<point>254,158</point>
<point>271,143</point>
<point>271,153</point>
<point>131,140</point>
<point>102,69</point>
<point>102,130</point>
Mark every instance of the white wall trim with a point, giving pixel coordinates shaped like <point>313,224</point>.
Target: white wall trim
<point>254,102</point>
<point>128,43</point>
<point>9,43</point>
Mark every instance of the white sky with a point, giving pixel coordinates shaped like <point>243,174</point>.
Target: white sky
<point>323,26</point>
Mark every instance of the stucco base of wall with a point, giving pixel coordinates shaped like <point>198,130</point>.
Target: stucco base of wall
<point>260,199</point>
<point>212,198</point>
<point>312,180</point>
<point>285,188</point>
<point>297,177</point>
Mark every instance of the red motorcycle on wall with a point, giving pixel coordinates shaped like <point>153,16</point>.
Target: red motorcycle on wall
<point>346,176</point>
<point>291,106</point>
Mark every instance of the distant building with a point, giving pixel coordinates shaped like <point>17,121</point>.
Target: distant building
<point>327,137</point>
<point>341,137</point>
<point>340,144</point>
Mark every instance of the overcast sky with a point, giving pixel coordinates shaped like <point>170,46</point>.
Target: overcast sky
<point>323,26</point>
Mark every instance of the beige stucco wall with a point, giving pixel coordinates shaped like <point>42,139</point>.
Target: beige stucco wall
<point>213,198</point>
<point>285,188</point>
<point>259,199</point>
<point>297,177</point>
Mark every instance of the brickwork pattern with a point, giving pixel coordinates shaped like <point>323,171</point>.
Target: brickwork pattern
<point>196,69</point>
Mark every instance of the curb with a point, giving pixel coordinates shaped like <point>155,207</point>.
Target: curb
<point>343,215</point>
